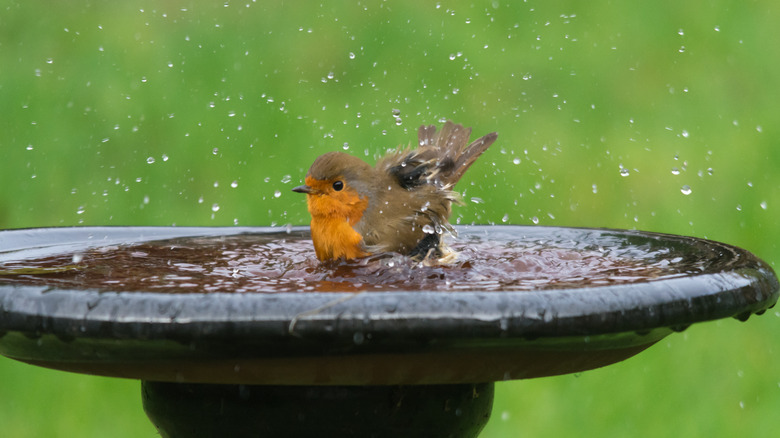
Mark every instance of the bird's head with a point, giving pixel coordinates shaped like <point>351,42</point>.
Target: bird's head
<point>338,185</point>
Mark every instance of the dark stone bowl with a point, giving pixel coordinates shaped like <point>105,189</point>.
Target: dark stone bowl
<point>377,338</point>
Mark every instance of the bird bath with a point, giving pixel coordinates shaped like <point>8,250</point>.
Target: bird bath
<point>238,332</point>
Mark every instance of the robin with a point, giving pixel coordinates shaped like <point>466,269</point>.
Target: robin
<point>402,204</point>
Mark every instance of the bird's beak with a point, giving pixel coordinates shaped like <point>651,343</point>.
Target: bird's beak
<point>303,189</point>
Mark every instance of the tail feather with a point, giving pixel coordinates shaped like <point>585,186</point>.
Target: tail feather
<point>470,154</point>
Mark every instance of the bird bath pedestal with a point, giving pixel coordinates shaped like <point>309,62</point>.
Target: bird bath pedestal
<point>378,363</point>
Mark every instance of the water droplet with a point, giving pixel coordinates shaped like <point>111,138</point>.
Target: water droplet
<point>80,210</point>
<point>29,147</point>
<point>215,151</point>
<point>516,161</point>
<point>277,194</point>
<point>150,160</point>
<point>351,55</point>
<point>709,170</point>
<point>146,200</point>
<point>286,179</point>
<point>78,257</point>
<point>215,208</point>
<point>505,416</point>
<point>477,200</point>
<point>234,184</point>
<point>595,188</point>
<point>396,112</point>
<point>505,219</point>
<point>428,229</point>
<point>685,133</point>
<point>345,146</point>
<point>763,205</point>
<point>624,171</point>
<point>164,157</point>
<point>535,220</point>
<point>686,189</point>
<point>675,171</point>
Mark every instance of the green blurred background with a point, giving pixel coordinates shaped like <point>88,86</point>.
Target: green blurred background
<point>659,116</point>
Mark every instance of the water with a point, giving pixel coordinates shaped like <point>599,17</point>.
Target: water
<point>285,262</point>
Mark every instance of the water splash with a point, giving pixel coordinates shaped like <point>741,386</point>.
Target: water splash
<point>285,262</point>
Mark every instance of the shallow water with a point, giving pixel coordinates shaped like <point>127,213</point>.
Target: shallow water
<point>285,262</point>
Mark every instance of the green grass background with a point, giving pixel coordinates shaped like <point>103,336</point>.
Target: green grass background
<point>186,113</point>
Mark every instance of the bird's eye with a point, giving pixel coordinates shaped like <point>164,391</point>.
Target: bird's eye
<point>338,185</point>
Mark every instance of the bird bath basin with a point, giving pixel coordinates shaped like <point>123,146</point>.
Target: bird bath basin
<point>240,332</point>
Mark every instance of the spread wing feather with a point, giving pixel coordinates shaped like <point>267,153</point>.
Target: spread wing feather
<point>441,158</point>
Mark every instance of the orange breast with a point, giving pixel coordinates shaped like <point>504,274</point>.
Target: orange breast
<point>332,216</point>
<point>334,238</point>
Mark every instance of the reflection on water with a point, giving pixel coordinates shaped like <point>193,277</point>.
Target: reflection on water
<point>283,262</point>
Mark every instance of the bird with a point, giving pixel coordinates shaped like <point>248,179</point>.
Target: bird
<point>402,204</point>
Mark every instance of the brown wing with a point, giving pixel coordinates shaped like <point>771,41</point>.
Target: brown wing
<point>441,158</point>
<point>414,190</point>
